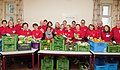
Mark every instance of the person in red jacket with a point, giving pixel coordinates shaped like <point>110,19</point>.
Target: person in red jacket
<point>48,35</point>
<point>60,31</point>
<point>83,27</point>
<point>37,33</point>
<point>91,32</point>
<point>18,26</point>
<point>10,29</point>
<point>100,27</point>
<point>69,34</point>
<point>106,34</point>
<point>65,25</point>
<point>73,26</point>
<point>25,31</point>
<point>57,26</point>
<point>79,34</point>
<point>43,25</point>
<point>3,27</point>
<point>116,32</point>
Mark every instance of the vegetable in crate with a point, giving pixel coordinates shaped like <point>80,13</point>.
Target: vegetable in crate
<point>45,44</point>
<point>25,39</point>
<point>76,36</point>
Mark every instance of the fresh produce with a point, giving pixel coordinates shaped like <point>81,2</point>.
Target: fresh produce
<point>83,46</point>
<point>47,63</point>
<point>45,45</point>
<point>111,47</point>
<point>97,40</point>
<point>25,39</point>
<point>58,43</point>
<point>62,63</point>
<point>76,36</point>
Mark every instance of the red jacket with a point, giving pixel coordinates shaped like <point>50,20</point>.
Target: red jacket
<point>37,33</point>
<point>43,27</point>
<point>18,28</point>
<point>100,30</point>
<point>116,34</point>
<point>25,32</point>
<point>10,30</point>
<point>2,30</point>
<point>79,33</point>
<point>92,33</point>
<point>106,36</point>
<point>73,28</point>
<point>69,34</point>
<point>84,29</point>
<point>59,32</point>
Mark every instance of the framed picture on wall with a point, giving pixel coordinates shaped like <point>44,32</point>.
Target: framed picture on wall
<point>11,18</point>
<point>10,8</point>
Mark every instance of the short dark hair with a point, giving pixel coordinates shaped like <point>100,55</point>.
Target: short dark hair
<point>108,28</point>
<point>4,21</point>
<point>35,24</point>
<point>73,21</point>
<point>82,20</point>
<point>49,23</point>
<point>77,24</point>
<point>48,27</point>
<point>25,24</point>
<point>92,26</point>
<point>65,21</point>
<point>45,20</point>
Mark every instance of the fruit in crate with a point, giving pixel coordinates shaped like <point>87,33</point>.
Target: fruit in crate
<point>25,39</point>
<point>97,40</point>
<point>82,43</point>
<point>45,44</point>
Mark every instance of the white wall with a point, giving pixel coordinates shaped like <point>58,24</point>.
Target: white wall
<point>58,10</point>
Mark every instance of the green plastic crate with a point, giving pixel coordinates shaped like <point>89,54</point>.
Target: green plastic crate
<point>12,39</point>
<point>71,48</point>
<point>47,63</point>
<point>9,43</point>
<point>9,47</point>
<point>112,49</point>
<point>84,48</point>
<point>62,64</point>
<point>45,46</point>
<point>23,46</point>
<point>58,45</point>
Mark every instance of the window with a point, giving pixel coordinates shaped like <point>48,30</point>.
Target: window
<point>106,14</point>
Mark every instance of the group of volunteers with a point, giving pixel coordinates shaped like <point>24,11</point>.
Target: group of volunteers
<point>47,31</point>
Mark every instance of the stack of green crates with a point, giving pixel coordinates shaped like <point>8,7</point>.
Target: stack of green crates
<point>9,43</point>
<point>58,43</point>
<point>47,63</point>
<point>24,43</point>
<point>113,47</point>
<point>45,45</point>
<point>83,47</point>
<point>62,63</point>
<point>71,48</point>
